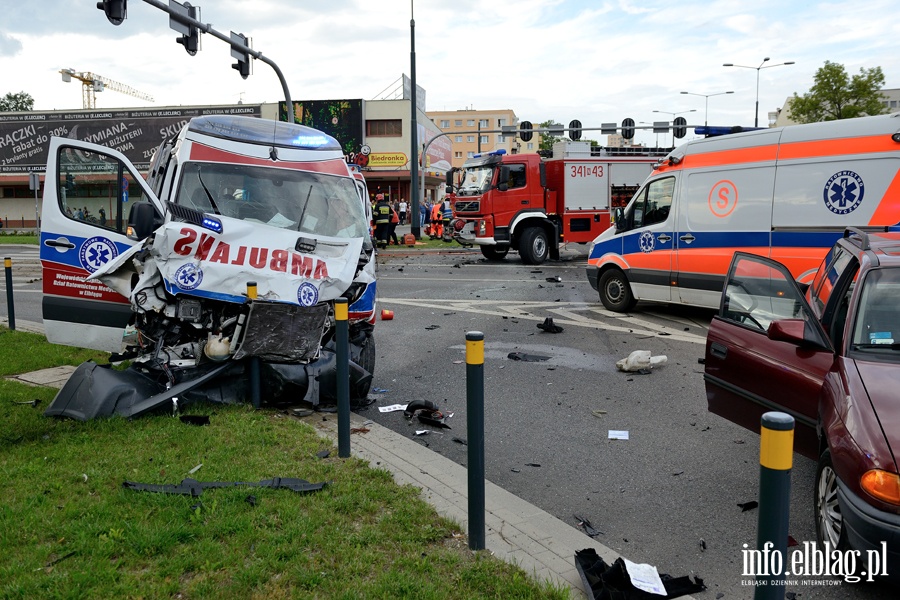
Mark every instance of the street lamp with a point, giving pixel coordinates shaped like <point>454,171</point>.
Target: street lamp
<point>674,114</point>
<point>706,109</point>
<point>762,65</point>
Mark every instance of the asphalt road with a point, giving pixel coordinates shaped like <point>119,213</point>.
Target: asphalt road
<point>667,496</point>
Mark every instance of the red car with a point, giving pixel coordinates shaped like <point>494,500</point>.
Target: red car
<point>829,355</point>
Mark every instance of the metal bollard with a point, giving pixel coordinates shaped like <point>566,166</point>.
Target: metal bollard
<point>342,333</point>
<point>475,428</point>
<point>10,301</point>
<point>776,454</point>
<point>255,377</point>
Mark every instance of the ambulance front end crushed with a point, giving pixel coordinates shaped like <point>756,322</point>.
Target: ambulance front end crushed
<point>246,232</point>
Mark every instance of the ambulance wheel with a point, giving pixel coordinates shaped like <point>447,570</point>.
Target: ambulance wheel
<point>615,291</point>
<point>367,362</point>
<point>494,252</point>
<point>533,246</point>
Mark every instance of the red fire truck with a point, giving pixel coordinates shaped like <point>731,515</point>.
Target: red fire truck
<point>523,202</point>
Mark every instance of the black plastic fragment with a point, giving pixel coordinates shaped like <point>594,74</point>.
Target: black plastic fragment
<point>527,357</point>
<point>602,580</point>
<point>549,326</point>
<point>192,487</point>
<point>586,525</point>
<point>745,506</point>
<point>195,419</point>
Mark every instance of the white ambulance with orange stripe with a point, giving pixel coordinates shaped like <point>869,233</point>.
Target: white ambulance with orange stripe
<point>786,193</point>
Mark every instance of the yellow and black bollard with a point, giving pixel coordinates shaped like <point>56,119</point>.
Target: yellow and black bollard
<point>776,454</point>
<point>255,383</point>
<point>342,345</point>
<point>475,427</point>
<point>10,302</point>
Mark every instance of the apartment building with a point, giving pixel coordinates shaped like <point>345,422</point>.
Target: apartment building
<point>473,131</point>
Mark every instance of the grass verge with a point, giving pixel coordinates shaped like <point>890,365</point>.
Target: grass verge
<point>19,238</point>
<point>69,529</point>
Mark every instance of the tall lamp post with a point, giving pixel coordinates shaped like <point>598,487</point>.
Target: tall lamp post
<point>761,66</point>
<point>706,104</point>
<point>675,114</point>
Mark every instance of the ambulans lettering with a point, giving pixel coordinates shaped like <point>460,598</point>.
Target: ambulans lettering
<point>844,192</point>
<point>278,260</point>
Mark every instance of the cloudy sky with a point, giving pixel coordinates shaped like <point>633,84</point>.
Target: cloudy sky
<point>593,60</point>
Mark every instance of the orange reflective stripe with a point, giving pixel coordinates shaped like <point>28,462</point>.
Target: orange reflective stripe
<point>838,147</point>
<point>888,211</point>
<point>731,157</point>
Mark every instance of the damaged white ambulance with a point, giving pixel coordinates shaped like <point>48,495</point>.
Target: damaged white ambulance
<point>216,275</point>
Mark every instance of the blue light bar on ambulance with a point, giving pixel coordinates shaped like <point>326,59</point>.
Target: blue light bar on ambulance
<point>263,131</point>
<point>211,223</point>
<point>499,152</point>
<point>714,130</point>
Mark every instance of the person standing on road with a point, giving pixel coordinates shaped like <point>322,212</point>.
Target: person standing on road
<point>403,211</point>
<point>392,228</point>
<point>382,216</point>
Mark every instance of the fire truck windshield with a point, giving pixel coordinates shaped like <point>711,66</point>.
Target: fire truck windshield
<point>476,180</point>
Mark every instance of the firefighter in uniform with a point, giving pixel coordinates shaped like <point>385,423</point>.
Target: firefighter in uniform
<point>447,216</point>
<point>382,217</point>
<point>437,226</point>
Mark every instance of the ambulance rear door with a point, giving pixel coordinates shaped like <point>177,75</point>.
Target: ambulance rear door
<point>725,205</point>
<point>88,193</point>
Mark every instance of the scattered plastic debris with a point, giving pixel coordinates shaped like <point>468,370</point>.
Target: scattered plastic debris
<point>31,403</point>
<point>433,327</point>
<point>527,357</point>
<point>195,419</point>
<point>195,469</point>
<point>532,464</point>
<point>623,580</point>
<point>427,412</point>
<point>640,361</point>
<point>323,453</point>
<point>392,408</point>
<point>702,545</point>
<point>459,440</point>
<point>745,506</point>
<point>549,326</point>
<point>598,413</point>
<point>251,500</point>
<point>423,431</point>
<point>359,430</point>
<point>515,470</point>
<point>586,525</point>
<point>556,279</point>
<point>192,487</point>
<point>387,315</point>
<point>616,434</point>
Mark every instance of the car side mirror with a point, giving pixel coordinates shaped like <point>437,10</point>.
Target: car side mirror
<point>619,218</point>
<point>794,331</point>
<point>503,179</point>
<point>142,221</point>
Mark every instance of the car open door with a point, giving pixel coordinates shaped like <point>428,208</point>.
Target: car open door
<point>88,192</point>
<point>766,350</point>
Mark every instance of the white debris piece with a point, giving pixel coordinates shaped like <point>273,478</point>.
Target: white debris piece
<point>641,359</point>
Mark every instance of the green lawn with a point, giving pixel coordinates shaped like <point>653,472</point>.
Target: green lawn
<point>68,529</point>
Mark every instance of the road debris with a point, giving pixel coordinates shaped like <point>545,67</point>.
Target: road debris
<point>587,527</point>
<point>549,326</point>
<point>745,506</point>
<point>625,579</point>
<point>640,361</point>
<point>527,357</point>
<point>616,434</point>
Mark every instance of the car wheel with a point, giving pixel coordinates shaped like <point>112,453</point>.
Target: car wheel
<point>366,360</point>
<point>533,246</point>
<point>494,252</point>
<point>615,291</point>
<point>829,521</point>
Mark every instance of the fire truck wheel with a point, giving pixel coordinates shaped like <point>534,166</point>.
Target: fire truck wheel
<point>615,291</point>
<point>494,252</point>
<point>533,246</point>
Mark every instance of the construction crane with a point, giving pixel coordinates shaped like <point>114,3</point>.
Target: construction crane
<point>91,83</point>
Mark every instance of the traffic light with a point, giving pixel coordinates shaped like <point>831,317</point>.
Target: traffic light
<point>115,10</point>
<point>243,58</point>
<point>575,130</point>
<point>526,134</point>
<point>679,127</point>
<point>190,37</point>
<point>627,128</point>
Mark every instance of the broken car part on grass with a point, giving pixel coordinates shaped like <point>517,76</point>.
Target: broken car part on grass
<point>192,487</point>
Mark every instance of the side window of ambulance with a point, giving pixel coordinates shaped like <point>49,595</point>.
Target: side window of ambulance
<point>95,188</point>
<point>516,176</point>
<point>655,202</point>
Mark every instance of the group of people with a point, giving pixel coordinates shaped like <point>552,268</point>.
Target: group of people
<point>83,214</point>
<point>434,219</point>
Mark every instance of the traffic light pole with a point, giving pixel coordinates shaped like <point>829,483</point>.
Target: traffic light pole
<point>116,14</point>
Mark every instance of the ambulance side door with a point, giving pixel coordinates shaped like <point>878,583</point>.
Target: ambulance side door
<point>88,193</point>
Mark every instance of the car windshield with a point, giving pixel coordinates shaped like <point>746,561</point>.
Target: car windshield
<point>288,199</point>
<point>877,326</point>
<point>475,180</point>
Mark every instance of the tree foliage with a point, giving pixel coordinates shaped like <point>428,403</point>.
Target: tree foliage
<point>16,102</point>
<point>548,140</point>
<point>835,95</point>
